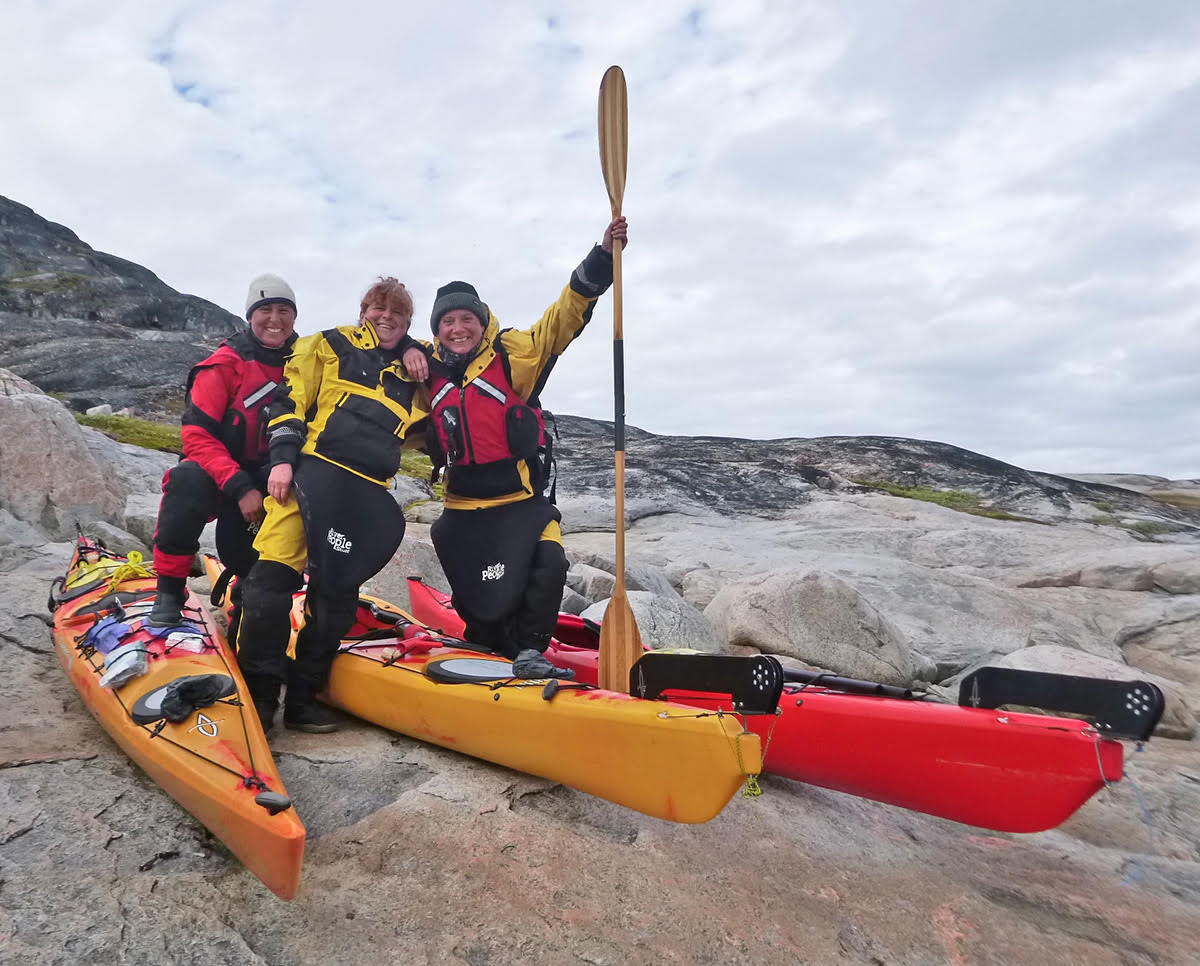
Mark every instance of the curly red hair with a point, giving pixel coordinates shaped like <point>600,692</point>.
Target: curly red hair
<point>389,292</point>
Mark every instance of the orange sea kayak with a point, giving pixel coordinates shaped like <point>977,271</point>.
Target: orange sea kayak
<point>213,760</point>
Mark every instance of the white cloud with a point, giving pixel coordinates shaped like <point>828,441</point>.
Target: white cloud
<point>974,223</point>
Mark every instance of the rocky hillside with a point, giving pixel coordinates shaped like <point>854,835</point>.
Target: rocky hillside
<point>94,327</point>
<point>46,272</point>
<point>705,474</point>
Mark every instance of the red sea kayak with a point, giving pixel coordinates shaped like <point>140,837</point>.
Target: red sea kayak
<point>1001,770</point>
<point>575,643</point>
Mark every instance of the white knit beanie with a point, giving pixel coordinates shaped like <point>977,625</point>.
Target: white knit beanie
<point>268,288</point>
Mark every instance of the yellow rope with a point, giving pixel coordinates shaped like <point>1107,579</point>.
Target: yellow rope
<point>132,569</point>
<point>751,789</point>
<point>85,573</point>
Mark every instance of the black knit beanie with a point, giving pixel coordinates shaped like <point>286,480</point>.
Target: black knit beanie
<point>457,295</point>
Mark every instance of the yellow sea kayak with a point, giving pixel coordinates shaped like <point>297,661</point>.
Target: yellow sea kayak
<point>664,759</point>
<point>213,760</point>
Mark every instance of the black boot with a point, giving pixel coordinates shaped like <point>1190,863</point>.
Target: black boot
<point>264,692</point>
<point>310,716</point>
<point>262,634</point>
<point>327,617</point>
<point>530,663</point>
<point>169,597</point>
<point>303,712</point>
<point>266,713</point>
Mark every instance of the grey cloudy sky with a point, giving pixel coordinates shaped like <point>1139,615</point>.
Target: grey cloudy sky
<point>971,222</point>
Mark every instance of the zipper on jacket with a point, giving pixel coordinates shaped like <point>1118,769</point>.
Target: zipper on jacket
<point>466,430</point>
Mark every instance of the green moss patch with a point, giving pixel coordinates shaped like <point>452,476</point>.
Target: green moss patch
<point>164,437</point>
<point>1148,529</point>
<point>959,500</point>
<point>1188,500</point>
<point>139,432</point>
<point>50,283</point>
<point>416,464</point>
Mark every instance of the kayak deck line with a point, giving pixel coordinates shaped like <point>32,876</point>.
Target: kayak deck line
<point>213,759</point>
<point>248,776</point>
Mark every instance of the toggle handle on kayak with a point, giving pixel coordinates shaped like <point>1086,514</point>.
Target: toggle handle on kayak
<point>216,596</point>
<point>754,683</point>
<point>1117,709</point>
<point>273,802</point>
<point>380,614</point>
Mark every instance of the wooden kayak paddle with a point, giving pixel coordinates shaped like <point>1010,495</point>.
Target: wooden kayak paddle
<point>620,642</point>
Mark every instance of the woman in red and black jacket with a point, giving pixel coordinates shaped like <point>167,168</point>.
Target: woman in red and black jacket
<point>223,472</point>
<point>499,539</point>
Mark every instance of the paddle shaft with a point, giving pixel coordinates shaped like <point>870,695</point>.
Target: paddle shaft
<point>619,411</point>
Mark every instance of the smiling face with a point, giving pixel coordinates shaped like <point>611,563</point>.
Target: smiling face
<point>460,331</point>
<point>273,323</point>
<point>390,319</point>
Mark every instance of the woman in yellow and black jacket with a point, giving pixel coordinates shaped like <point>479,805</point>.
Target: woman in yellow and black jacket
<point>336,436</point>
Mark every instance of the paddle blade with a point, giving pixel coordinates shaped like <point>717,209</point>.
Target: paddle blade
<point>620,644</point>
<point>614,135</point>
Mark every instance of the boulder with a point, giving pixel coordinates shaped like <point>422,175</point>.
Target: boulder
<point>664,622</point>
<point>590,582</point>
<point>138,470</point>
<point>48,475</point>
<point>639,575</point>
<point>588,512</point>
<point>409,489</point>
<point>1178,576</point>
<point>573,603</point>
<point>13,385</point>
<point>1118,567</point>
<point>1171,651</point>
<point>817,618</point>
<point>698,587</point>
<point>117,539</point>
<point>141,515</point>
<point>18,533</point>
<point>675,572</point>
<point>426,512</point>
<point>415,558</point>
